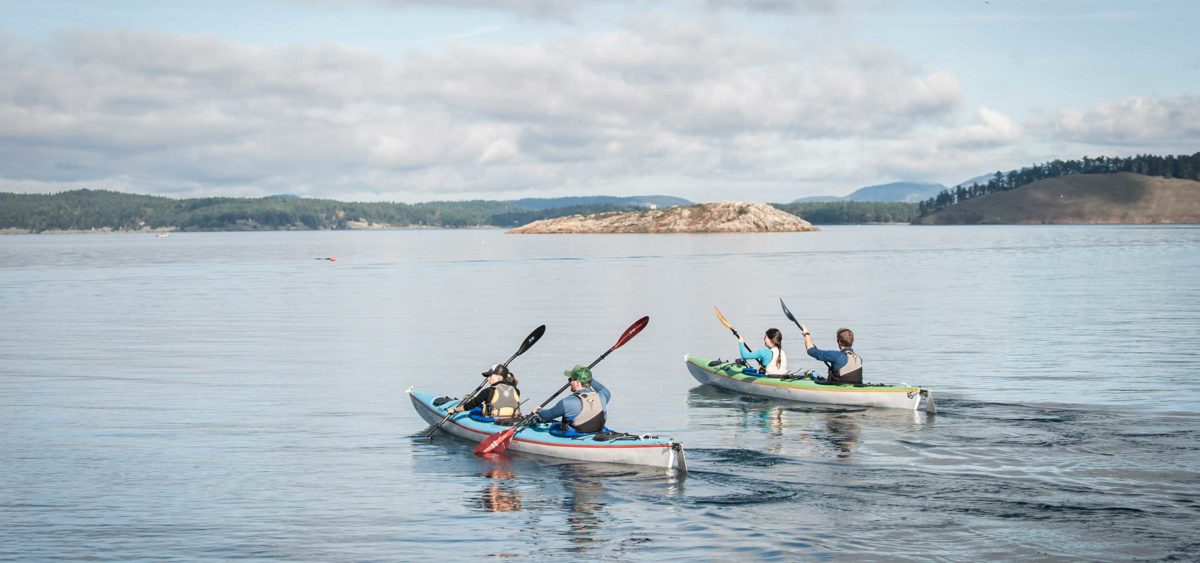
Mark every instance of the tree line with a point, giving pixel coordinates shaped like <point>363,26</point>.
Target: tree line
<point>851,212</point>
<point>1172,166</point>
<point>82,210</point>
<point>104,209</point>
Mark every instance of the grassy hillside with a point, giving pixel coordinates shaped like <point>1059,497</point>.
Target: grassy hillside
<point>1080,199</point>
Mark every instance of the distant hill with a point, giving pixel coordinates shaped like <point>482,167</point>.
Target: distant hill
<point>1121,198</point>
<point>980,179</point>
<point>908,192</point>
<point>818,199</point>
<point>538,203</point>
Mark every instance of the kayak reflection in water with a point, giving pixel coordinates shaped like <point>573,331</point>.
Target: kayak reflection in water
<point>499,496</point>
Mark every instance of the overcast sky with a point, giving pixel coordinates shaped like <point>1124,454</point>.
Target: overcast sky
<point>412,100</point>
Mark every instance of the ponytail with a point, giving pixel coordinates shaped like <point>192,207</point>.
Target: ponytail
<point>776,338</point>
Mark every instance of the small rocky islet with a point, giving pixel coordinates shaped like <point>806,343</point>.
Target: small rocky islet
<point>719,217</point>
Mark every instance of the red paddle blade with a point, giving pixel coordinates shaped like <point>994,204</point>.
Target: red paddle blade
<point>632,331</point>
<point>496,443</point>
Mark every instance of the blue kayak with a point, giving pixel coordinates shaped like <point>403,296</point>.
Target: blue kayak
<point>606,447</point>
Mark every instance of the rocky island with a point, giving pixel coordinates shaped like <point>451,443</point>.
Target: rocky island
<point>720,217</point>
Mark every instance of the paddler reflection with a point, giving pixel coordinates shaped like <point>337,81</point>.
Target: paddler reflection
<point>500,495</point>
<point>585,510</point>
<point>842,433</point>
<point>771,420</point>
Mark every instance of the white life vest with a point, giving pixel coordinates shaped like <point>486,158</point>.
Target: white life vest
<point>780,368</point>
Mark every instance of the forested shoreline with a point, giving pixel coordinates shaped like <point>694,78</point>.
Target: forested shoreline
<point>86,210</point>
<point>93,210</point>
<point>851,212</point>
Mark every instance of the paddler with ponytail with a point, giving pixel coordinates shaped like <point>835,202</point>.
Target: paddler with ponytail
<point>770,356</point>
<point>501,400</point>
<point>585,409</point>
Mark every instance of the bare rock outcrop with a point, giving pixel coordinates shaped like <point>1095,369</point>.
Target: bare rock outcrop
<point>720,217</point>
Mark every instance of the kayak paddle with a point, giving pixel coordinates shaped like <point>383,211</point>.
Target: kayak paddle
<point>498,442</point>
<point>527,344</point>
<point>721,318</point>
<point>791,316</point>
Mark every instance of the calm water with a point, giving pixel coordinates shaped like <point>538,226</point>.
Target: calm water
<point>226,395</point>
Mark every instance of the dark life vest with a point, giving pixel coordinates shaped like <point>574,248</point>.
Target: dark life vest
<point>591,417</point>
<point>851,372</point>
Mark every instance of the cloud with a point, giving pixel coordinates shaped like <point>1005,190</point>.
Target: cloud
<point>992,129</point>
<point>537,9</point>
<point>816,6</point>
<point>566,10</point>
<point>1133,121</point>
<point>182,114</point>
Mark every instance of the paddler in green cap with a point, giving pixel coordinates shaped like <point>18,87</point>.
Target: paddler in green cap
<point>584,410</point>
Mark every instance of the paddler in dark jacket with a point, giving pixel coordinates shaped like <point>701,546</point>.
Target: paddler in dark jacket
<point>585,409</point>
<point>845,365</point>
<point>500,400</point>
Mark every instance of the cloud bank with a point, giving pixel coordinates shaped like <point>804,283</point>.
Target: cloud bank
<point>702,109</point>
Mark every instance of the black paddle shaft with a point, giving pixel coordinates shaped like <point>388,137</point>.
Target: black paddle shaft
<point>630,332</point>
<point>526,345</point>
<point>568,384</point>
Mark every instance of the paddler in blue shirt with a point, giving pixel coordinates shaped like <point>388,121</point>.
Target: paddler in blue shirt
<point>585,409</point>
<point>770,356</point>
<point>845,365</point>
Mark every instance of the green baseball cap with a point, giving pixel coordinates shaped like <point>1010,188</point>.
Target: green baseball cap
<point>580,373</point>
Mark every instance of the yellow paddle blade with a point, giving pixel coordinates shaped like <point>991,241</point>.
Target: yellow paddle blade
<point>721,318</point>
